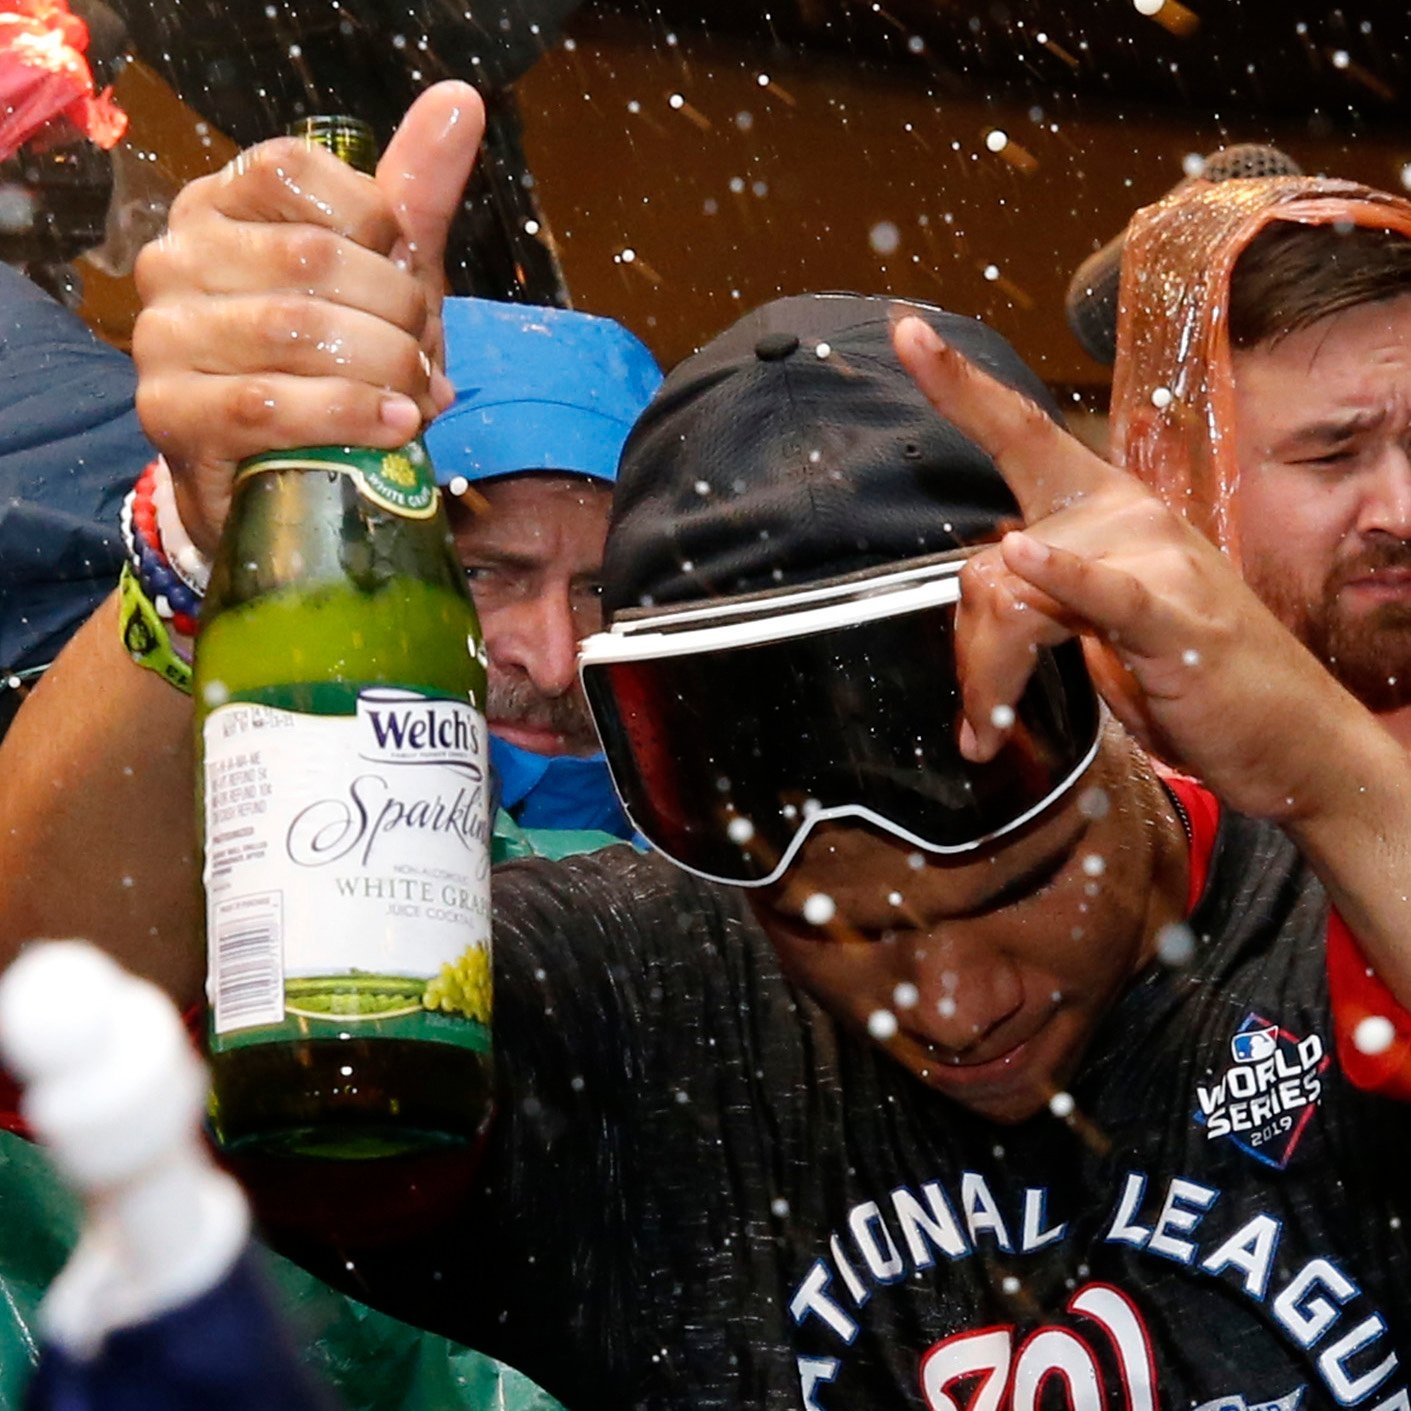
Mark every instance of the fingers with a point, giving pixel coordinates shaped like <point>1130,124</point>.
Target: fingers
<point>273,412</point>
<point>1027,594</point>
<point>289,180</point>
<point>423,173</point>
<point>281,333</point>
<point>1001,623</point>
<point>218,256</point>
<point>1044,466</point>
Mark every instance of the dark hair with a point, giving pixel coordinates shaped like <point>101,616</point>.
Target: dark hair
<point>1292,275</point>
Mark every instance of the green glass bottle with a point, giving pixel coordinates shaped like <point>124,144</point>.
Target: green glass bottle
<point>340,696</point>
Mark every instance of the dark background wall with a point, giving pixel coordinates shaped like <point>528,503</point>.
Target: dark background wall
<point>673,164</point>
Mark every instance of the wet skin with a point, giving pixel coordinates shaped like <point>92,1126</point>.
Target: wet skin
<point>1014,956</point>
<point>1323,509</point>
<point>534,559</point>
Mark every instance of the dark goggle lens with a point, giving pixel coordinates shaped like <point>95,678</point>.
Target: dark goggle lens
<point>724,758</point>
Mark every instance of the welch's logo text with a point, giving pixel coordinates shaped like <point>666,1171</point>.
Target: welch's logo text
<point>401,727</point>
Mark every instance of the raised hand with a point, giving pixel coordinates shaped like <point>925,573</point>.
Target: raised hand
<point>294,301</point>
<point>1185,654</point>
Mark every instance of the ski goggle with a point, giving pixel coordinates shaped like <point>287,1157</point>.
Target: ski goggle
<point>733,730</point>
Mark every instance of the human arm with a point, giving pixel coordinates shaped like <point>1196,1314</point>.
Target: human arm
<point>280,308</point>
<point>97,822</point>
<point>1183,651</point>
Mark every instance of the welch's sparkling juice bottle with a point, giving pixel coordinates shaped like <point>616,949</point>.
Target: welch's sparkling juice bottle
<point>340,696</point>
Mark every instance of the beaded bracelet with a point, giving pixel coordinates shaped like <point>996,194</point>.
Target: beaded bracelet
<point>172,599</point>
<point>144,635</point>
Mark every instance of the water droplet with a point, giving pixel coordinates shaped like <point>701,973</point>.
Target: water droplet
<point>996,140</point>
<point>741,830</point>
<point>1002,717</point>
<point>1094,865</point>
<point>1062,1105</point>
<point>823,350</point>
<point>1093,803</point>
<point>1161,398</point>
<point>1373,1035</point>
<point>991,272</point>
<point>905,995</point>
<point>882,1025</point>
<point>1010,1284</point>
<point>884,237</point>
<point>779,1207</point>
<point>894,898</point>
<point>1190,657</point>
<point>1175,944</point>
<point>819,909</point>
<point>945,1007</point>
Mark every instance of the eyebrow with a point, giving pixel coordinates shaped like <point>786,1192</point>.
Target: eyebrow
<point>501,558</point>
<point>1331,431</point>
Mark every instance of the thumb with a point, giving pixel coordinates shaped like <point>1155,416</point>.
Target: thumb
<point>424,171</point>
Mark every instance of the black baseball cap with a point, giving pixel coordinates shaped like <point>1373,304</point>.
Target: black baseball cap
<point>795,447</point>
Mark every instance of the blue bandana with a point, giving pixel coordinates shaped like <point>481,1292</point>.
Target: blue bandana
<point>556,791</point>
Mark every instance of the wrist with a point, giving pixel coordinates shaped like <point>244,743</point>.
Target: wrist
<point>197,523</point>
<point>146,637</point>
<point>188,562</point>
<point>1350,781</point>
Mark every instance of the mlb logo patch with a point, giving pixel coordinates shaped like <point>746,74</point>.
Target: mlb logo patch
<point>1254,1044</point>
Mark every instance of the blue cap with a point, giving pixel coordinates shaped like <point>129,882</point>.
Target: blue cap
<point>537,389</point>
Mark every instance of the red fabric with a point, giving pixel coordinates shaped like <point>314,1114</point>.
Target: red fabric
<point>1203,813</point>
<point>44,75</point>
<point>10,1118</point>
<point>1358,994</point>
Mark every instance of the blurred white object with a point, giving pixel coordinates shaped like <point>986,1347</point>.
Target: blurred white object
<point>116,1093</point>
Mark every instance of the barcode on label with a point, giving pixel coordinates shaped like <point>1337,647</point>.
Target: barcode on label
<point>247,961</point>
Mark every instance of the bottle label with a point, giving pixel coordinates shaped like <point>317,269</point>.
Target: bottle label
<point>400,481</point>
<point>347,871</point>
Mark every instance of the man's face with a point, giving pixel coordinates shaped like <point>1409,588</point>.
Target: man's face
<point>1323,510</point>
<point>997,971</point>
<point>534,561</point>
